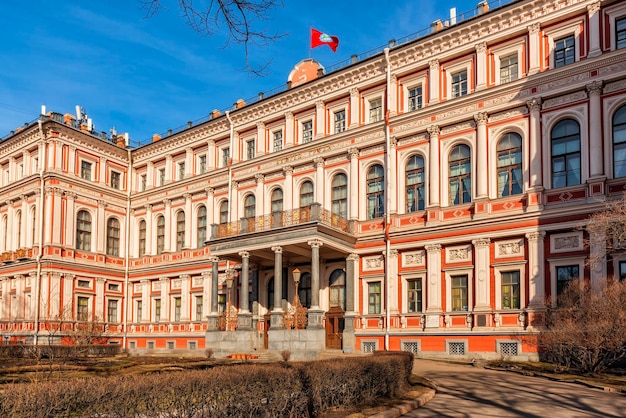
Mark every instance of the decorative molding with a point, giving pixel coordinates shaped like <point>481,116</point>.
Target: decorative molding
<point>458,254</point>
<point>372,263</point>
<point>509,248</point>
<point>560,243</point>
<point>414,258</point>
<point>563,99</point>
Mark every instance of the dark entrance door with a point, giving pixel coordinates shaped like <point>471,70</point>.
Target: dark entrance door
<point>334,329</point>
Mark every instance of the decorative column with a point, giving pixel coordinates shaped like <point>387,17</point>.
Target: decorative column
<point>206,293</point>
<point>55,295</point>
<point>101,230</point>
<point>18,308</point>
<point>352,269</point>
<point>392,173</point>
<point>593,11</point>
<point>288,203</point>
<point>259,195</point>
<point>354,108</point>
<point>289,131</point>
<point>4,287</point>
<point>167,213</point>
<point>482,284</point>
<point>536,177</point>
<point>319,119</point>
<point>10,226</point>
<point>38,223</point>
<point>319,180</point>
<point>481,155</point>
<point>100,306</point>
<point>481,61</point>
<point>68,287</point>
<point>596,166</point>
<point>433,165</point>
<point>24,221</point>
<point>433,85</point>
<point>316,315</point>
<point>433,260</point>
<point>536,285</point>
<point>392,286</point>
<point>393,96</point>
<point>534,51</point>
<point>150,175</point>
<point>210,210</point>
<point>149,229</point>
<point>188,220</point>
<point>353,190</point>
<point>102,170</point>
<point>70,216</point>
<point>245,317</point>
<point>145,300</point>
<point>188,162</point>
<point>210,159</point>
<point>165,299</point>
<point>277,312</point>
<point>168,169</point>
<point>71,161</point>
<point>260,142</point>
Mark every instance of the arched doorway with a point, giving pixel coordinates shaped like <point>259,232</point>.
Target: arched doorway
<point>336,312</point>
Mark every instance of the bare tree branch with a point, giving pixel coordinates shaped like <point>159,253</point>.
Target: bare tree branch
<point>607,232</point>
<point>237,19</point>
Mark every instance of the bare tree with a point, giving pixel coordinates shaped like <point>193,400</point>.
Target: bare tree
<point>238,19</point>
<point>607,232</point>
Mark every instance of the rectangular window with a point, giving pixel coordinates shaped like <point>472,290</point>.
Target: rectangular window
<point>221,302</point>
<point>85,170</point>
<point>459,292</point>
<point>307,131</point>
<point>225,156</point>
<point>114,287</point>
<point>278,141</point>
<point>376,110</point>
<point>620,32</point>
<point>202,168</point>
<point>564,51</point>
<point>85,284</point>
<point>177,308</point>
<point>415,98</point>
<point>112,311</point>
<point>161,177</point>
<point>250,149</point>
<point>150,345</point>
<point>138,310</point>
<point>82,310</point>
<point>198,308</point>
<point>510,282</point>
<point>157,310</point>
<point>115,180</point>
<point>564,276</point>
<point>508,69</point>
<point>373,297</point>
<point>181,171</point>
<point>143,182</point>
<point>459,84</point>
<point>340,121</point>
<point>414,296</point>
<point>171,345</point>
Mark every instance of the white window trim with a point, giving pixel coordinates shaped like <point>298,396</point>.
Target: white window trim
<point>411,84</point>
<point>365,293</point>
<point>504,52</point>
<point>221,155</point>
<point>118,314</point>
<point>273,138</point>
<point>177,164</point>
<point>470,289</point>
<point>80,167</point>
<point>572,28</point>
<point>153,309</point>
<point>421,150</point>
<point>199,163</point>
<point>89,304</point>
<point>570,261</point>
<point>246,142</point>
<point>368,99</point>
<point>614,13</point>
<point>157,172</point>
<point>331,113</point>
<point>506,267</point>
<point>455,69</point>
<point>309,117</point>
<point>405,290</point>
<point>365,167</point>
<point>495,135</point>
<point>445,163</point>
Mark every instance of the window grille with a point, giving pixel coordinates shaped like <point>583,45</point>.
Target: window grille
<point>411,347</point>
<point>368,346</point>
<point>456,348</point>
<point>509,348</point>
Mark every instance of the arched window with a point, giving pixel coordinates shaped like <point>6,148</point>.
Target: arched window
<point>415,184</point>
<point>201,226</point>
<point>18,227</point>
<point>142,238</point>
<point>224,212</point>
<point>249,207</point>
<point>304,290</point>
<point>509,165</point>
<point>339,195</point>
<point>83,231</point>
<point>565,141</point>
<point>113,237</point>
<point>337,282</point>
<point>180,230</point>
<point>460,175</point>
<point>277,200</point>
<point>619,143</point>
<point>160,244</point>
<point>306,194</point>
<point>375,192</point>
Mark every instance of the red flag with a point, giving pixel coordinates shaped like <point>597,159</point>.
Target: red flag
<point>319,38</point>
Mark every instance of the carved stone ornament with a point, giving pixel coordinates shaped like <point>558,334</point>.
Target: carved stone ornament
<point>372,263</point>
<point>561,243</point>
<point>414,258</point>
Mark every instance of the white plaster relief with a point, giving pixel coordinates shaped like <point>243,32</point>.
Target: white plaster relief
<point>416,258</point>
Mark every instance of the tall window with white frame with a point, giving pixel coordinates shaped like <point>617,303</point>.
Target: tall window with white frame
<point>415,98</point>
<point>414,295</point>
<point>376,110</point>
<point>564,51</point>
<point>85,170</point>
<point>459,84</point>
<point>307,131</point>
<point>339,195</point>
<point>566,276</point>
<point>460,175</point>
<point>374,297</point>
<point>250,149</point>
<point>181,171</point>
<point>337,289</point>
<point>458,288</point>
<point>510,287</point>
<point>160,235</point>
<point>225,156</point>
<point>157,310</point>
<point>249,207</point>
<point>509,151</point>
<point>277,143</point>
<point>224,212</point>
<point>415,184</point>
<point>142,238</point>
<point>565,143</point>
<point>180,230</point>
<point>619,143</point>
<point>277,206</point>
<point>375,192</point>
<point>113,237</point>
<point>82,308</point>
<point>112,311</point>
<point>199,301</point>
<point>115,180</point>
<point>138,310</point>
<point>339,121</point>
<point>178,304</point>
<point>202,226</point>
<point>161,177</point>
<point>143,182</point>
<point>306,194</point>
<point>508,68</point>
<point>83,231</point>
<point>202,164</point>
<point>620,33</point>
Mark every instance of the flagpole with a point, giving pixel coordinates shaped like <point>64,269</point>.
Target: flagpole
<point>310,34</point>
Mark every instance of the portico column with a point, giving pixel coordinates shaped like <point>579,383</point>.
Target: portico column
<point>244,320</point>
<point>277,312</point>
<point>481,155</point>
<point>353,192</point>
<point>536,293</point>
<point>352,270</point>
<point>593,11</point>
<point>535,143</point>
<point>315,313</point>
<point>596,166</point>
<point>433,164</point>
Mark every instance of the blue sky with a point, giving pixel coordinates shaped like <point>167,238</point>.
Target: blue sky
<point>145,76</point>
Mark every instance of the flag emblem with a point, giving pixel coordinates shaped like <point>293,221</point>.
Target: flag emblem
<point>320,38</point>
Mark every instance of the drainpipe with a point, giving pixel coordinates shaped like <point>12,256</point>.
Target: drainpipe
<point>387,201</point>
<point>41,231</point>
<point>127,255</point>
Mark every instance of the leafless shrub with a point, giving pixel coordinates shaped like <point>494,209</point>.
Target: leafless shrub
<point>208,353</point>
<point>286,355</point>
